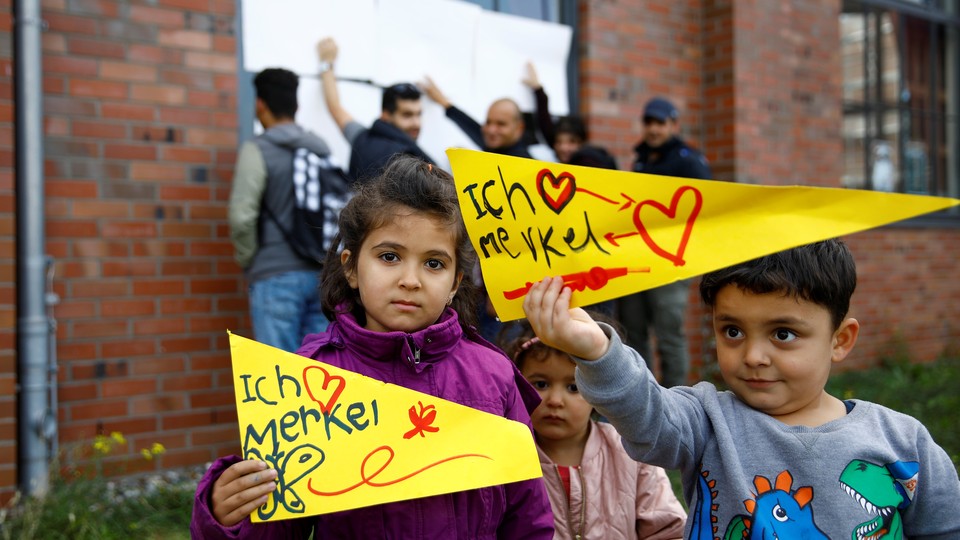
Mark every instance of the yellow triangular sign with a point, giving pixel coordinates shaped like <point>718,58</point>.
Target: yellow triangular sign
<point>612,233</point>
<point>341,440</point>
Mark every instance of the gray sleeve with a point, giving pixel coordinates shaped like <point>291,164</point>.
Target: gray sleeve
<point>249,181</point>
<point>938,486</point>
<point>352,130</point>
<point>652,420</point>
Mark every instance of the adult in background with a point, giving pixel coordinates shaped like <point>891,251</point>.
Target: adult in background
<point>502,133</point>
<point>663,309</point>
<point>284,288</point>
<point>395,132</point>
<point>568,135</point>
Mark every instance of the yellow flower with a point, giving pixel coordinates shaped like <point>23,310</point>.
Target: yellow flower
<point>117,436</point>
<point>101,445</point>
<point>146,454</point>
<point>157,449</point>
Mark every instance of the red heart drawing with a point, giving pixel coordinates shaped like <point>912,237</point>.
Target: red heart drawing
<point>671,213</point>
<point>565,183</point>
<point>327,379</point>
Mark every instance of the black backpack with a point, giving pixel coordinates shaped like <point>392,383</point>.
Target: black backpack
<point>321,190</point>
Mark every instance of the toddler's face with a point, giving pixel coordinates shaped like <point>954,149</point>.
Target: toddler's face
<point>563,414</point>
<point>775,352</point>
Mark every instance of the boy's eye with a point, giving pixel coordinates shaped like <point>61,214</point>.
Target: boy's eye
<point>539,385</point>
<point>732,332</point>
<point>784,335</point>
<point>572,388</point>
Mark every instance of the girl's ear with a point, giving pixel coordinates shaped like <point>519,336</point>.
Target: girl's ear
<point>456,284</point>
<point>347,272</point>
<point>844,338</point>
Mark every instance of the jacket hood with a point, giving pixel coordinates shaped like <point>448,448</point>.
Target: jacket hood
<point>292,135</point>
<point>419,349</point>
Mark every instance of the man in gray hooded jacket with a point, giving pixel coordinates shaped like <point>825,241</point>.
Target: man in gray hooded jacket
<point>284,289</point>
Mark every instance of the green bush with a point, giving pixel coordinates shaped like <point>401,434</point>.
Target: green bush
<point>84,503</point>
<point>928,392</point>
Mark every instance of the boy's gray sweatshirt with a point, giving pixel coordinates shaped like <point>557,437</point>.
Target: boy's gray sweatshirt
<point>743,470</point>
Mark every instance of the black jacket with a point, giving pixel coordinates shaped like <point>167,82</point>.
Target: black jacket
<point>473,130</point>
<point>373,148</point>
<point>673,158</point>
<point>593,156</point>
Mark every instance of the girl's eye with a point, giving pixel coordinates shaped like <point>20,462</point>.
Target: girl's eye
<point>539,385</point>
<point>784,335</point>
<point>435,264</point>
<point>389,257</point>
<point>732,332</point>
<point>572,388</point>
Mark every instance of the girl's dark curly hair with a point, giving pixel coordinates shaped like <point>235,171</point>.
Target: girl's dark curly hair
<point>407,183</point>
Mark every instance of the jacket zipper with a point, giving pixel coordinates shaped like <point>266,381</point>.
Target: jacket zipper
<point>583,505</point>
<point>415,359</point>
<point>578,534</point>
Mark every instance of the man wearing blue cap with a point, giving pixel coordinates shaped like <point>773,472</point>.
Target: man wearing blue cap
<point>664,308</point>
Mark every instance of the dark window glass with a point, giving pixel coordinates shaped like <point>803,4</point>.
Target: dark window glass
<point>900,97</point>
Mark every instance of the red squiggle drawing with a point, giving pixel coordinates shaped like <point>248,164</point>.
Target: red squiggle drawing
<point>595,279</point>
<point>368,480</point>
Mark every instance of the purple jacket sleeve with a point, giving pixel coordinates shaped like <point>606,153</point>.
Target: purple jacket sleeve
<point>528,513</point>
<point>204,525</point>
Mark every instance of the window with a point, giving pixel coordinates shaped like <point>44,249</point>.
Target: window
<point>545,10</point>
<point>900,95</point>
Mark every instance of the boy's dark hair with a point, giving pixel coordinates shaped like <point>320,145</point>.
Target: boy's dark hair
<point>823,273</point>
<point>573,125</point>
<point>406,182</point>
<point>517,339</point>
<point>277,87</point>
<point>392,94</point>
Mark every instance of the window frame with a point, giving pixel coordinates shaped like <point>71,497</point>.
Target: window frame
<point>941,131</point>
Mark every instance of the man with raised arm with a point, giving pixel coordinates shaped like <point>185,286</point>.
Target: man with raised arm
<point>395,132</point>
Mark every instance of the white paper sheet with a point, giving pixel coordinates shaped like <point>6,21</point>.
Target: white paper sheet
<point>505,43</point>
<point>474,56</point>
<point>284,33</point>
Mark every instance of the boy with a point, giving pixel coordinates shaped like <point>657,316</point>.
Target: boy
<point>775,456</point>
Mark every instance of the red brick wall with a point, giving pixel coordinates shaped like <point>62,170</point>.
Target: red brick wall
<point>140,133</point>
<point>908,295</point>
<point>632,51</point>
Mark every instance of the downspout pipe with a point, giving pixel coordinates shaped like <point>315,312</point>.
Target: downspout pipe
<point>34,422</point>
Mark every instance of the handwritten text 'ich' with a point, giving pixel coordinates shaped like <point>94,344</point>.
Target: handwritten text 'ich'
<point>488,200</point>
<point>298,422</point>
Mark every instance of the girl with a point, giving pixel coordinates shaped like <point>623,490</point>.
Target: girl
<point>397,299</point>
<point>596,489</point>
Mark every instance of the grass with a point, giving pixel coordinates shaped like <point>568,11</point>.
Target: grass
<point>93,507</point>
<point>84,503</point>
